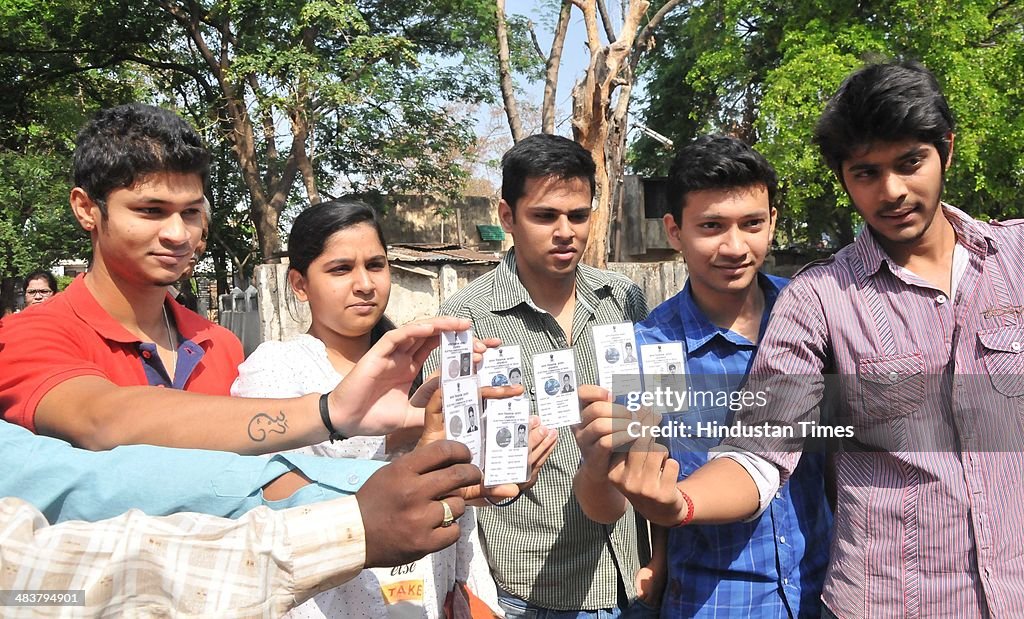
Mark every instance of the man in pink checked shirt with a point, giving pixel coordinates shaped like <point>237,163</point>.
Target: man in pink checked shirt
<point>919,328</point>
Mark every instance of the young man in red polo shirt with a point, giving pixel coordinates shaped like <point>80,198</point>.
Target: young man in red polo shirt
<point>109,362</point>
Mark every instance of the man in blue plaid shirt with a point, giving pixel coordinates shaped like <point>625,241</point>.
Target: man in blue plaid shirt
<point>722,194</point>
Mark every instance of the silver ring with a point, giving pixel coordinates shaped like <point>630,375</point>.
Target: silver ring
<point>449,517</point>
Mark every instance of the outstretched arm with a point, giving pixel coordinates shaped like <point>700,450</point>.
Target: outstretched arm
<point>277,559</point>
<point>93,412</point>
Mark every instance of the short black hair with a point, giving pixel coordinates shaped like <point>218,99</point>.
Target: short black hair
<point>121,145</point>
<point>42,274</point>
<point>717,162</point>
<point>542,155</point>
<point>315,225</point>
<point>885,102</point>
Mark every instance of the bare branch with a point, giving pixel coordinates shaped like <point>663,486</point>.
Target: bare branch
<point>551,71</point>
<point>204,85</point>
<point>643,40</point>
<point>536,43</point>
<point>606,19</point>
<point>1000,8</point>
<point>589,10</point>
<point>505,74</point>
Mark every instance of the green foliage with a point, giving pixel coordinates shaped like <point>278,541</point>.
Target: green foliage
<point>763,69</point>
<point>45,102</point>
<point>374,80</point>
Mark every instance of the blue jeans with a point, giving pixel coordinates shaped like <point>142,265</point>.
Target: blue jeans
<point>516,608</point>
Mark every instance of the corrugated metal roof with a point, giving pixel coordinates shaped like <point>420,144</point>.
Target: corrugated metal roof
<point>439,253</point>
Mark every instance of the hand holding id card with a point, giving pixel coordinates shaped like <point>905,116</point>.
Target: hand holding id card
<point>507,450</point>
<point>460,392</point>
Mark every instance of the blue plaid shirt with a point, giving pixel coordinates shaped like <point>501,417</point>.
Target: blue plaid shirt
<point>773,566</point>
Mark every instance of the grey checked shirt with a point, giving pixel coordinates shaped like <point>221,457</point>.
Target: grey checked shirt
<point>542,548</point>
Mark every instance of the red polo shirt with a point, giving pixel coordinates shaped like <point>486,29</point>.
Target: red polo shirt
<point>70,335</point>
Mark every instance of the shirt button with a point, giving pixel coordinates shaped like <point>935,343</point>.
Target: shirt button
<point>146,355</point>
<point>782,539</point>
<point>785,581</point>
<point>1015,346</point>
<point>778,495</point>
<point>940,299</point>
<point>353,479</point>
<point>893,375</point>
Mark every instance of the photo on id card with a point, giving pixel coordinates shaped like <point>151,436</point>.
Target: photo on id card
<point>462,414</point>
<point>507,452</point>
<point>618,368</point>
<point>502,367</point>
<point>456,354</point>
<point>554,380</point>
<point>665,368</point>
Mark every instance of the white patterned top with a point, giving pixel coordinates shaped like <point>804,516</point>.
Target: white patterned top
<point>298,367</point>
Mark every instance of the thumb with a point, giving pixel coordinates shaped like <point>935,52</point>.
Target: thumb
<point>426,390</point>
<point>433,417</point>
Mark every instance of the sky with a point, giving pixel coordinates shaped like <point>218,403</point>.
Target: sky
<point>492,125</point>
<point>575,56</point>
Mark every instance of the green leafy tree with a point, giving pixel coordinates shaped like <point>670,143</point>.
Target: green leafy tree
<point>763,70</point>
<point>320,95</point>
<point>43,106</point>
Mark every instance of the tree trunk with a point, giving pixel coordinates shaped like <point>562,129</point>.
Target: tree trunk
<point>596,125</point>
<point>508,93</point>
<point>616,154</point>
<point>268,193</point>
<point>300,129</point>
<point>547,110</point>
<point>592,118</point>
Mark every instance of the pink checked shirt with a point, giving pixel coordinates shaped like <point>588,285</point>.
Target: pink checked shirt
<point>930,510</point>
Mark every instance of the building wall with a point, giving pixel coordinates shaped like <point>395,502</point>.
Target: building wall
<point>415,219</point>
<point>417,290</point>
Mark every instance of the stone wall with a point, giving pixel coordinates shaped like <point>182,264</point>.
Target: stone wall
<point>416,219</point>
<point>658,280</point>
<point>417,290</point>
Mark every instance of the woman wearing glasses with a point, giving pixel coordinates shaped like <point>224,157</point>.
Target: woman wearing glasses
<point>39,286</point>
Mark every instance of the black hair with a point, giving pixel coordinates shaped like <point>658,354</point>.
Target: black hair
<point>539,156</point>
<point>121,145</point>
<point>717,162</point>
<point>42,274</point>
<point>315,225</point>
<point>884,102</point>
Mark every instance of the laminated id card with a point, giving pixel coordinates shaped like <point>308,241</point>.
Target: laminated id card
<point>554,380</point>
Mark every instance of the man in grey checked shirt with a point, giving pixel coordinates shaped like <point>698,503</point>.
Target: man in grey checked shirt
<point>544,553</point>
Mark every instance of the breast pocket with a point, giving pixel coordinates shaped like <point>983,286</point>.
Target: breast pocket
<point>891,387</point>
<point>1001,351</point>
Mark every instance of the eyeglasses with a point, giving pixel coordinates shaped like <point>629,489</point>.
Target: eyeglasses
<point>38,293</point>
